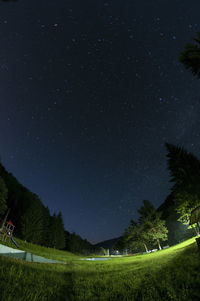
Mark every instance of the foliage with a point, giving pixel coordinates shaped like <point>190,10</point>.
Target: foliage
<point>57,232</point>
<point>184,169</point>
<point>149,229</point>
<point>33,221</point>
<point>185,203</point>
<point>190,56</point>
<point>100,251</point>
<point>121,244</point>
<point>135,236</point>
<point>156,228</point>
<point>75,244</point>
<point>146,210</point>
<point>185,173</point>
<point>46,237</point>
<point>3,197</point>
<point>152,224</point>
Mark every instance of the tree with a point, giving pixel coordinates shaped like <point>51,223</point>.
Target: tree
<point>152,224</point>
<point>3,197</point>
<point>46,237</point>
<point>135,236</point>
<point>177,231</point>
<point>156,229</point>
<point>185,173</point>
<point>52,231</point>
<point>101,251</point>
<point>145,210</point>
<point>120,244</point>
<point>75,244</point>
<point>32,221</point>
<point>57,232</point>
<point>184,168</point>
<point>185,204</point>
<point>190,56</point>
<point>60,243</point>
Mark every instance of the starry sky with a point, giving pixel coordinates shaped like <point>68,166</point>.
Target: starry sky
<point>90,91</point>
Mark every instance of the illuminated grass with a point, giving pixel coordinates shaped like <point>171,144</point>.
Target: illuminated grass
<point>170,274</point>
<point>42,251</point>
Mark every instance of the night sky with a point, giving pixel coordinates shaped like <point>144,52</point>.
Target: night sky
<point>90,91</point>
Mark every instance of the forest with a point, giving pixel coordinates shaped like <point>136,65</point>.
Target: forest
<point>33,221</point>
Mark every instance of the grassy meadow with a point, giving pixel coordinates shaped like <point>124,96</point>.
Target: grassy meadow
<point>170,274</point>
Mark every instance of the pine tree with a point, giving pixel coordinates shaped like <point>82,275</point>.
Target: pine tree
<point>185,173</point>
<point>60,232</point>
<point>3,197</point>
<point>52,231</point>
<point>184,167</point>
<point>32,221</point>
<point>75,243</point>
<point>190,56</point>
<point>145,210</point>
<point>57,232</point>
<point>46,223</point>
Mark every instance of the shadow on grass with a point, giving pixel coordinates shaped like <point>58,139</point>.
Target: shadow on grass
<point>22,281</point>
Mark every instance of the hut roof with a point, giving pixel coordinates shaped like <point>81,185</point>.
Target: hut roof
<point>10,223</point>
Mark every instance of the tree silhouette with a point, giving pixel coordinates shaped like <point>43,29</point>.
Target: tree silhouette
<point>152,224</point>
<point>190,56</point>
<point>135,234</point>
<point>185,173</point>
<point>184,168</point>
<point>3,197</point>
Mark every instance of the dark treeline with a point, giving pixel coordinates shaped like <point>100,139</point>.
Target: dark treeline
<point>33,220</point>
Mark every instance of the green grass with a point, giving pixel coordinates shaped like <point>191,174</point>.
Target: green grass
<point>170,274</point>
<point>42,251</point>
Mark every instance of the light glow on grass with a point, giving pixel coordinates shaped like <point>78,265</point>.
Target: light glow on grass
<point>169,274</point>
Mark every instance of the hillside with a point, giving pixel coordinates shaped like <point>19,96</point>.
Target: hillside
<point>107,244</point>
<point>33,221</point>
<point>50,253</point>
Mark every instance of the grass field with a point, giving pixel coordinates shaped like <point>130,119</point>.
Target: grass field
<point>171,274</point>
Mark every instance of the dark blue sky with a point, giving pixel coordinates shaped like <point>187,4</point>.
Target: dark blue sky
<point>90,92</point>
